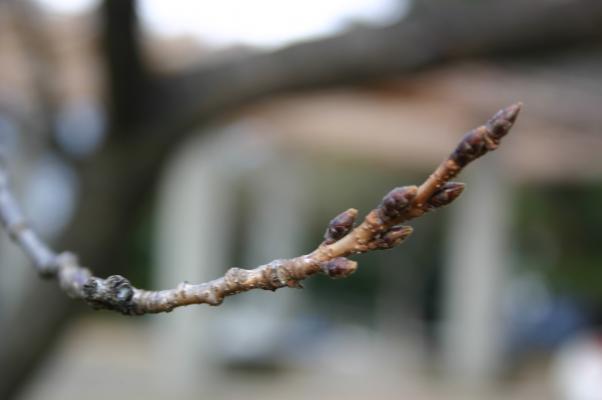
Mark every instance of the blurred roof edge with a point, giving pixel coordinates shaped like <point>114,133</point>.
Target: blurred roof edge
<point>416,122</point>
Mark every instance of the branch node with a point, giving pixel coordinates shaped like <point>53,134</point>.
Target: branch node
<point>113,293</point>
<point>235,276</point>
<point>215,297</point>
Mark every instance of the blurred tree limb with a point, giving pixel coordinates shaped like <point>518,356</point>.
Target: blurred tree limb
<point>128,79</point>
<point>118,179</point>
<point>444,32</point>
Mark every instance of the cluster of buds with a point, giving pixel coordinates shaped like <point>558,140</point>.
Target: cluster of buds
<point>396,201</point>
<point>486,137</point>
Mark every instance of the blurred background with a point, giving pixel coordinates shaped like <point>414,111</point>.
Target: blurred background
<point>168,141</point>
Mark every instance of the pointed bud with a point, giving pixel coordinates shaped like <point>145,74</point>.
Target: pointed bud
<point>446,194</point>
<point>486,137</point>
<point>394,237</point>
<point>472,146</point>
<point>340,226</point>
<point>339,267</point>
<point>396,201</point>
<point>499,125</point>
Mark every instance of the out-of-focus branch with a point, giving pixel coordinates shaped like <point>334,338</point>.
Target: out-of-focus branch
<point>379,230</point>
<point>450,31</point>
<point>128,80</point>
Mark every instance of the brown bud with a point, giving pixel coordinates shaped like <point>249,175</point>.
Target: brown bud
<point>472,146</point>
<point>499,125</point>
<point>449,192</point>
<point>340,226</point>
<point>487,137</point>
<point>339,267</point>
<point>393,204</point>
<point>394,237</point>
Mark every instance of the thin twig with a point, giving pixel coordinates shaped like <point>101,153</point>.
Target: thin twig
<point>380,230</point>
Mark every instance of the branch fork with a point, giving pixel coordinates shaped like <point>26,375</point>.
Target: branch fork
<point>381,229</point>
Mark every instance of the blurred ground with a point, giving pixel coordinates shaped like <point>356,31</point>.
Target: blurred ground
<point>103,358</point>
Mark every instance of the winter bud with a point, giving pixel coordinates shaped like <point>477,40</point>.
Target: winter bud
<point>396,201</point>
<point>472,146</point>
<point>449,192</point>
<point>340,226</point>
<point>394,237</point>
<point>339,267</point>
<point>487,137</point>
<point>499,125</point>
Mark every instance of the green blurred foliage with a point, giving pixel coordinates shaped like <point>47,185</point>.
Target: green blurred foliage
<point>557,232</point>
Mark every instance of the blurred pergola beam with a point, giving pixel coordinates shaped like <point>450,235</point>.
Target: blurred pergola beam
<point>413,127</point>
<point>447,31</point>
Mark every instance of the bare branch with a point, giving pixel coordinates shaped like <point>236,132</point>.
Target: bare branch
<point>21,232</point>
<point>379,230</point>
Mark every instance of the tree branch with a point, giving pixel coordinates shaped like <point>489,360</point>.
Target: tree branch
<point>128,79</point>
<point>453,30</point>
<point>379,230</point>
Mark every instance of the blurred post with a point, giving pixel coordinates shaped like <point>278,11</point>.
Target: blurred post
<point>198,210</point>
<point>274,225</point>
<point>15,271</point>
<point>190,234</point>
<point>477,237</point>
